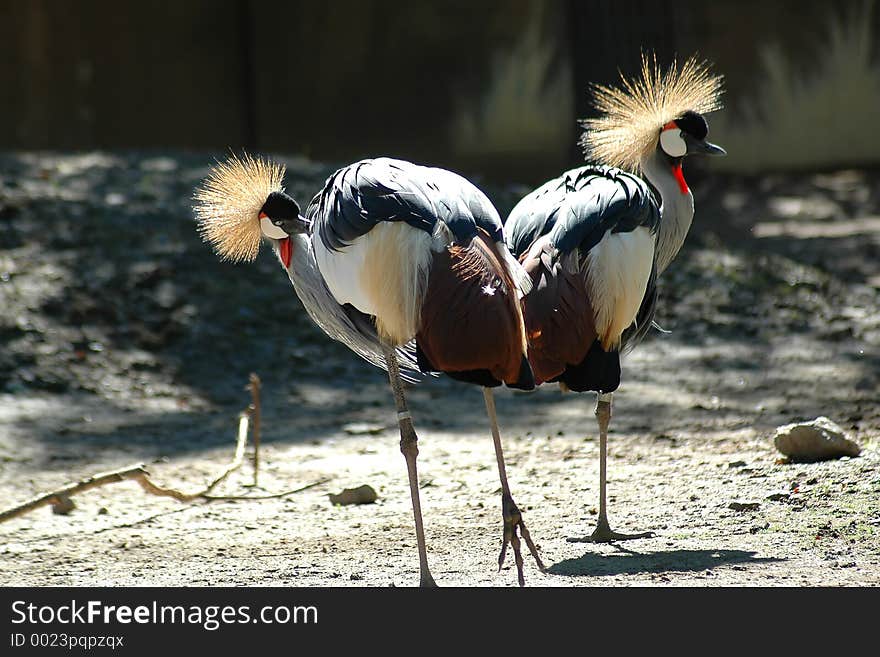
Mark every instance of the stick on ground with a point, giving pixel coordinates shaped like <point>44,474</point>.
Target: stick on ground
<point>271,496</point>
<point>136,473</point>
<point>254,387</point>
<point>249,419</point>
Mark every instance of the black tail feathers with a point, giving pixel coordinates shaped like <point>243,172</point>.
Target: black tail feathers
<point>526,379</point>
<point>599,371</point>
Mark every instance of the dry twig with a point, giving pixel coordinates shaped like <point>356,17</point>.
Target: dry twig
<point>254,408</point>
<point>139,473</point>
<point>270,496</point>
<point>136,473</point>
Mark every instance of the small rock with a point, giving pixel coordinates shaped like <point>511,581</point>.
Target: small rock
<point>62,505</point>
<point>744,506</point>
<point>360,495</point>
<point>817,440</point>
<point>103,511</point>
<point>778,497</point>
<point>736,464</point>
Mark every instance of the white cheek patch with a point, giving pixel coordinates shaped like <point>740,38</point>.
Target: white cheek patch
<point>672,143</point>
<point>271,230</point>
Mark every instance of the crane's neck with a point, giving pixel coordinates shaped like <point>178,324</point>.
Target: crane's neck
<point>332,317</point>
<point>677,207</point>
<point>303,266</point>
<point>308,283</point>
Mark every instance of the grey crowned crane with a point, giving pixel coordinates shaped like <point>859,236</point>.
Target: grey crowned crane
<point>595,239</point>
<point>406,265</point>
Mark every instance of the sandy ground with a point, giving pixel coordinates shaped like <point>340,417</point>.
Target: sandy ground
<point>124,341</point>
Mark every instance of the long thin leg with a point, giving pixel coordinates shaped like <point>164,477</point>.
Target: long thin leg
<point>603,532</point>
<point>509,511</point>
<point>410,450</point>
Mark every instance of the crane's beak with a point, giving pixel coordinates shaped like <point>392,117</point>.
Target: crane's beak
<point>299,225</point>
<point>712,149</point>
<point>701,146</point>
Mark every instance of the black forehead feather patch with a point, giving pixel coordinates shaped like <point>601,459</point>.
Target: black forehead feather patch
<point>694,124</point>
<point>280,206</point>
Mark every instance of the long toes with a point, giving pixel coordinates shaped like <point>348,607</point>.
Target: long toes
<point>615,536</point>
<point>532,548</point>
<point>514,530</point>
<point>508,538</point>
<point>517,555</point>
<point>503,554</point>
<point>608,537</point>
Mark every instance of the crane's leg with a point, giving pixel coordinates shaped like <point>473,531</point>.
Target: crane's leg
<point>603,532</point>
<point>410,449</point>
<point>509,511</point>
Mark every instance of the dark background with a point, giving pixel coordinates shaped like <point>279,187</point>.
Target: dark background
<point>347,79</point>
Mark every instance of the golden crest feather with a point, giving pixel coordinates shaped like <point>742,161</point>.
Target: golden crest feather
<point>632,115</point>
<point>227,204</point>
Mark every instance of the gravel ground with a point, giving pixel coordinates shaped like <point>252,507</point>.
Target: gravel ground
<point>124,340</point>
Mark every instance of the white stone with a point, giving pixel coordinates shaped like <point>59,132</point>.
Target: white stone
<point>817,440</point>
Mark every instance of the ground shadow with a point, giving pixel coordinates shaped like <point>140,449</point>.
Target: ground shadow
<point>628,562</point>
<point>136,309</point>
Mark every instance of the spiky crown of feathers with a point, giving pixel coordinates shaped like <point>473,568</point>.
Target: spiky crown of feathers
<point>632,115</point>
<point>227,204</point>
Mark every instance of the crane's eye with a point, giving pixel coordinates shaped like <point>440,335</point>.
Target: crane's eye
<point>271,229</point>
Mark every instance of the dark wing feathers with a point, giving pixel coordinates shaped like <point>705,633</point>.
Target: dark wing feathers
<point>532,217</point>
<point>356,198</point>
<point>566,217</point>
<point>361,195</point>
<point>579,207</point>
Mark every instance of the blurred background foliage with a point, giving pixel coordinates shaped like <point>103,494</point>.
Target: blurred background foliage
<point>494,86</point>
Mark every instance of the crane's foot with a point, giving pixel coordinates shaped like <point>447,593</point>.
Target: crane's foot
<point>514,528</point>
<point>604,534</point>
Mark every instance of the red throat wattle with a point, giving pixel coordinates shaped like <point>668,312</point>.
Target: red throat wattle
<point>679,178</point>
<point>285,250</point>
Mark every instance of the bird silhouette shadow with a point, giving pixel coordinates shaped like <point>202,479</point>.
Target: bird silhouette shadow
<point>629,562</point>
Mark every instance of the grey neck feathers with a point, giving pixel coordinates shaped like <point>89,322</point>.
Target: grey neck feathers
<point>676,210</point>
